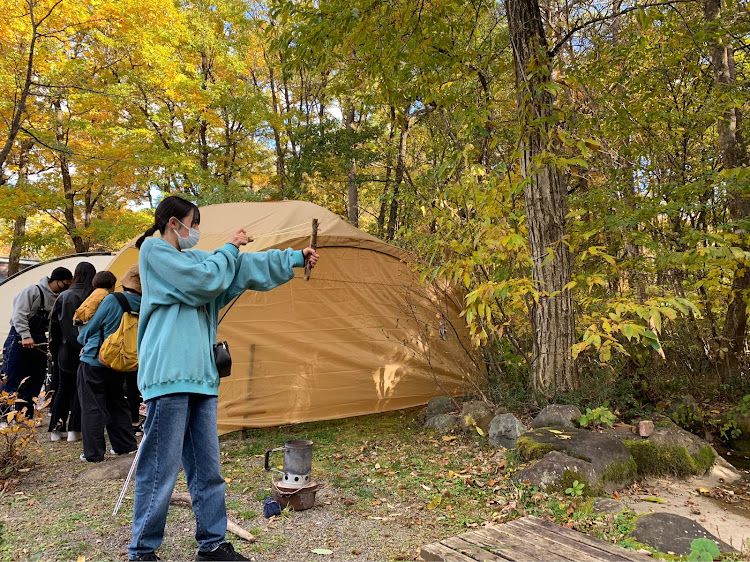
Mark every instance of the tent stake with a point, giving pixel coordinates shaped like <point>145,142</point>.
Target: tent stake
<point>313,245</point>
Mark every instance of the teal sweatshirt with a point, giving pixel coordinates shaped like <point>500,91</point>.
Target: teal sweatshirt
<point>183,292</point>
<point>107,316</point>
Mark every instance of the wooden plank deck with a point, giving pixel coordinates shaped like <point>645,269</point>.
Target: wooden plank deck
<point>526,540</point>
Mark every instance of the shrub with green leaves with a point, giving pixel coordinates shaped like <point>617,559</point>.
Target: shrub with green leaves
<point>598,417</point>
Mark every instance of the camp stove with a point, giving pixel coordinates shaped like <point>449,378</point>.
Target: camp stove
<point>297,463</point>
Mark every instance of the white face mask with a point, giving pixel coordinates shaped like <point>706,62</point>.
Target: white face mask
<point>190,240</point>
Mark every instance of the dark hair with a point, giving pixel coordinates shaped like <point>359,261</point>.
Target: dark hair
<point>84,275</point>
<point>105,280</point>
<point>172,206</point>
<point>60,274</point>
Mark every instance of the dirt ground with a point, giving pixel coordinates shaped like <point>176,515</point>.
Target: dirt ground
<point>378,479</point>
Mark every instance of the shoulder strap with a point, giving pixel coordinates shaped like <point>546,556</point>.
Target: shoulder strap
<point>122,300</point>
<point>41,296</point>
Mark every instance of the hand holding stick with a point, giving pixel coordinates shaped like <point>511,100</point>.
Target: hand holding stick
<point>313,244</point>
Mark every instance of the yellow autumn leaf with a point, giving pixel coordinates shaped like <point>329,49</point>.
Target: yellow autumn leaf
<point>435,502</point>
<point>449,437</point>
<point>480,431</point>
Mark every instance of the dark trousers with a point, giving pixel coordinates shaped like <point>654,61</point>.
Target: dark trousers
<point>134,396</point>
<point>24,370</point>
<point>65,401</point>
<point>103,404</point>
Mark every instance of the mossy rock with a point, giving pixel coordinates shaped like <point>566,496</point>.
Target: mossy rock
<point>669,460</point>
<point>612,462</point>
<point>530,450</point>
<point>557,472</point>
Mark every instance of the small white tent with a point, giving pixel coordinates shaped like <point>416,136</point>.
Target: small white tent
<point>31,276</point>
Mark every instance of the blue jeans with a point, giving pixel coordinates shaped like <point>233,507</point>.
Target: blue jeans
<point>179,428</point>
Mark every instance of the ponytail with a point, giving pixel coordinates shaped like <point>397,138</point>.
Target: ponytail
<point>172,206</point>
<point>149,232</point>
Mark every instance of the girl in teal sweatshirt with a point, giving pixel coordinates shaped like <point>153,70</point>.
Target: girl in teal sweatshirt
<point>183,292</point>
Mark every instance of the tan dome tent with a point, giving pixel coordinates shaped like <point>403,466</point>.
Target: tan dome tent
<point>361,336</point>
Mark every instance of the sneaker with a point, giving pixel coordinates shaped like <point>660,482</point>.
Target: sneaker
<point>225,551</point>
<point>112,452</point>
<point>55,436</point>
<point>74,435</point>
<point>147,556</point>
<point>83,458</point>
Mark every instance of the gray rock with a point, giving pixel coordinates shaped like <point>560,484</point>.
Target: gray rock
<point>613,463</point>
<point>442,423</point>
<point>439,405</point>
<point>549,471</point>
<point>477,414</point>
<point>110,469</point>
<point>504,430</point>
<point>668,532</point>
<point>669,435</point>
<point>557,415</point>
<point>607,505</point>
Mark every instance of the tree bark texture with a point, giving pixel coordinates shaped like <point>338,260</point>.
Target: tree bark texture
<point>61,135</point>
<point>398,177</point>
<point>733,155</point>
<point>280,168</point>
<point>19,223</point>
<point>351,172</point>
<point>552,314</point>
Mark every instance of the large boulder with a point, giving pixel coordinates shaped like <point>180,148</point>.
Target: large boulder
<point>558,470</point>
<point>442,423</point>
<point>505,430</point>
<point>557,415</point>
<point>439,405</point>
<point>613,463</point>
<point>670,450</point>
<point>672,533</point>
<point>476,414</point>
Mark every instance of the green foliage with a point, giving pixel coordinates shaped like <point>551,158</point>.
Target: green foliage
<point>730,428</point>
<point>576,489</point>
<point>703,550</point>
<point>598,417</point>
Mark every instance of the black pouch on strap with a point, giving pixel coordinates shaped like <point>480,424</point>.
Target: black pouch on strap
<point>222,358</point>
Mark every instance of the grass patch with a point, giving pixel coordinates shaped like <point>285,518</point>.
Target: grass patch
<point>387,481</point>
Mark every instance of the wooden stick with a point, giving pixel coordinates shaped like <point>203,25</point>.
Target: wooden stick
<point>313,245</point>
<point>232,527</point>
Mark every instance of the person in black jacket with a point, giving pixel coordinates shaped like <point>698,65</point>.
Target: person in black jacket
<point>66,352</point>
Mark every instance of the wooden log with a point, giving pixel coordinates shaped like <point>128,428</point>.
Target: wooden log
<point>313,245</point>
<point>232,527</point>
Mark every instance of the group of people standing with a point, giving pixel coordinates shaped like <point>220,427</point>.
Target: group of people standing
<point>182,292</point>
<point>76,313</point>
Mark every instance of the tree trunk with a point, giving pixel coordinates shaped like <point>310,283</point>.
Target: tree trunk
<point>19,223</point>
<point>61,135</point>
<point>398,177</point>
<point>351,172</point>
<point>733,155</point>
<point>280,168</point>
<point>388,172</point>
<point>20,107</point>
<point>552,315</point>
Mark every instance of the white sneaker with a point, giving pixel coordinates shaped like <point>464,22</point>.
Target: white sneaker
<point>55,436</point>
<point>112,452</point>
<point>74,435</point>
